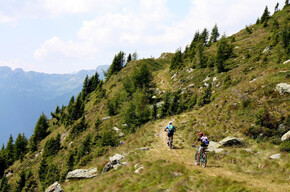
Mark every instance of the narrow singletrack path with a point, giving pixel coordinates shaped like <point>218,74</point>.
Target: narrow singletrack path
<point>185,156</point>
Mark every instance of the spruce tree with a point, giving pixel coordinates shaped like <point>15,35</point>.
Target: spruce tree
<point>20,146</point>
<point>20,184</point>
<point>40,132</point>
<point>199,58</point>
<point>117,65</point>
<point>204,37</point>
<point>129,58</point>
<point>3,164</point>
<point>214,34</point>
<point>176,61</point>
<point>276,8</point>
<point>286,4</point>
<point>10,151</point>
<point>224,52</point>
<point>266,15</point>
<point>4,186</point>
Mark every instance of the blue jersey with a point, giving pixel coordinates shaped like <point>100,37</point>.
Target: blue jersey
<point>170,128</point>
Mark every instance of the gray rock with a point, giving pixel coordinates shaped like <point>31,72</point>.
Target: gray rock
<point>267,49</point>
<point>153,97</point>
<point>105,118</point>
<point>214,79</point>
<point>54,188</point>
<point>116,158</point>
<point>82,173</point>
<point>116,129</point>
<point>231,141</point>
<point>275,156</point>
<point>121,134</point>
<point>218,150</point>
<point>122,142</point>
<point>114,163</point>
<point>174,75</point>
<point>285,62</point>
<point>159,104</point>
<point>206,85</point>
<point>156,91</point>
<point>191,86</point>
<point>213,146</point>
<point>206,79</point>
<point>285,136</point>
<point>189,70</point>
<point>184,122</point>
<point>125,125</point>
<point>283,88</point>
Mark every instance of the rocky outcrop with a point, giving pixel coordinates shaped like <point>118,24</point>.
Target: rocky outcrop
<point>285,136</point>
<point>231,141</point>
<point>105,118</point>
<point>285,62</point>
<point>214,146</point>
<point>82,174</point>
<point>54,188</point>
<point>283,88</point>
<point>115,162</point>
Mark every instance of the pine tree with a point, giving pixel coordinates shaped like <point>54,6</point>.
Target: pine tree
<point>135,56</point>
<point>10,151</point>
<point>3,164</point>
<point>214,34</point>
<point>4,186</point>
<point>117,65</point>
<point>204,37</point>
<point>20,146</point>
<point>42,171</point>
<point>86,88</point>
<point>248,30</point>
<point>266,15</point>
<point>129,58</point>
<point>21,182</point>
<point>199,58</point>
<point>40,132</point>
<point>224,52</point>
<point>286,4</point>
<point>276,8</point>
<point>176,61</point>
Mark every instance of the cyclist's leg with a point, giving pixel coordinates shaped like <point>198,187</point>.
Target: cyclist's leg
<point>199,153</point>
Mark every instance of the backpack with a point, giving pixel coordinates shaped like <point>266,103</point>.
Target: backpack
<point>171,128</point>
<point>205,140</point>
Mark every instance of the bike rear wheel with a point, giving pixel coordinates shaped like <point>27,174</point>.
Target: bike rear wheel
<point>204,160</point>
<point>170,143</point>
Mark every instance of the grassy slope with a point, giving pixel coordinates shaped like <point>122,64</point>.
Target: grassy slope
<point>233,170</point>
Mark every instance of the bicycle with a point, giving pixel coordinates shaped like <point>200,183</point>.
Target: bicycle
<point>203,157</point>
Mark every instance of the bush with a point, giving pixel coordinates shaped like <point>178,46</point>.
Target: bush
<point>285,145</point>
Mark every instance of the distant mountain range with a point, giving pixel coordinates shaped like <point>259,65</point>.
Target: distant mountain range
<point>25,95</point>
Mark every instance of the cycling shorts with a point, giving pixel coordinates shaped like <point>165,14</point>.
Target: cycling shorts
<point>170,134</point>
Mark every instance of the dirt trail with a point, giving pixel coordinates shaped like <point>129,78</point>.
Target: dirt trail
<point>185,156</point>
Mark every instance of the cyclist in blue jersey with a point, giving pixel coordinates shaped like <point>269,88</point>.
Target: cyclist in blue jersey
<point>171,129</point>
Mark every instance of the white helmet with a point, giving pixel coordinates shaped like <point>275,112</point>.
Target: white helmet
<point>170,122</point>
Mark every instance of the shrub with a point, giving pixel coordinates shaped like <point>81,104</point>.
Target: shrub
<point>285,145</point>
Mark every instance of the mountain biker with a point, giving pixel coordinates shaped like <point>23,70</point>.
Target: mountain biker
<point>171,129</point>
<point>204,143</point>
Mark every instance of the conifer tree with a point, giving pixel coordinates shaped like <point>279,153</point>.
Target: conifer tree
<point>129,58</point>
<point>10,151</point>
<point>21,182</point>
<point>204,37</point>
<point>286,4</point>
<point>214,34</point>
<point>20,146</point>
<point>266,15</point>
<point>276,8</point>
<point>117,65</point>
<point>135,56</point>
<point>4,186</point>
<point>199,58</point>
<point>40,132</point>
<point>86,88</point>
<point>3,164</point>
<point>176,61</point>
<point>42,171</point>
<point>224,52</point>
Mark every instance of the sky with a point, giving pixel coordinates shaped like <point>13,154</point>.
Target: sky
<point>65,36</point>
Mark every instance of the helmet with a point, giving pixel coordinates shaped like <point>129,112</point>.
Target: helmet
<point>200,134</point>
<point>170,122</point>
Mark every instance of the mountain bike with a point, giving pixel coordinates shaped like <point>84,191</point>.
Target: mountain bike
<point>203,158</point>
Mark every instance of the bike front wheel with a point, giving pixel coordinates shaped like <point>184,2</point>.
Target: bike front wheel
<point>204,160</point>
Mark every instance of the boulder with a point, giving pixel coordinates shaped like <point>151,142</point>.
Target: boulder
<point>283,88</point>
<point>275,156</point>
<point>214,79</point>
<point>191,86</point>
<point>267,49</point>
<point>116,129</point>
<point>231,141</point>
<point>121,134</point>
<point>206,79</point>
<point>114,163</point>
<point>159,104</point>
<point>213,146</point>
<point>54,188</point>
<point>285,62</point>
<point>105,118</point>
<point>285,136</point>
<point>82,173</point>
<point>189,70</point>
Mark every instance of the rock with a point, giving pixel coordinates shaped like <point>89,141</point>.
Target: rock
<point>189,70</point>
<point>105,118</point>
<point>267,49</point>
<point>183,90</point>
<point>249,150</point>
<point>174,75</point>
<point>283,88</point>
<point>253,80</point>
<point>213,146</point>
<point>156,91</point>
<point>63,136</point>
<point>282,129</point>
<point>116,158</point>
<point>143,148</point>
<point>231,141</point>
<point>218,150</point>
<point>184,122</point>
<point>191,86</point>
<point>205,84</point>
<point>116,129</point>
<point>121,134</point>
<point>176,174</point>
<point>125,125</point>
<point>285,136</point>
<point>206,79</point>
<point>139,169</point>
<point>82,173</point>
<point>285,62</point>
<point>54,188</point>
<point>153,97</point>
<point>214,79</point>
<point>159,104</point>
<point>10,173</point>
<point>276,156</point>
<point>122,142</point>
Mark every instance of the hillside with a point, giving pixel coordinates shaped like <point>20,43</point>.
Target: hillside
<point>25,95</point>
<point>227,86</point>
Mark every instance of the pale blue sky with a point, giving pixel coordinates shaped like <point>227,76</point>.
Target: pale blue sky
<point>65,36</point>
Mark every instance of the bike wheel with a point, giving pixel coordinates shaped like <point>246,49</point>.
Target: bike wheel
<point>204,158</point>
<point>195,158</point>
<point>171,144</point>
